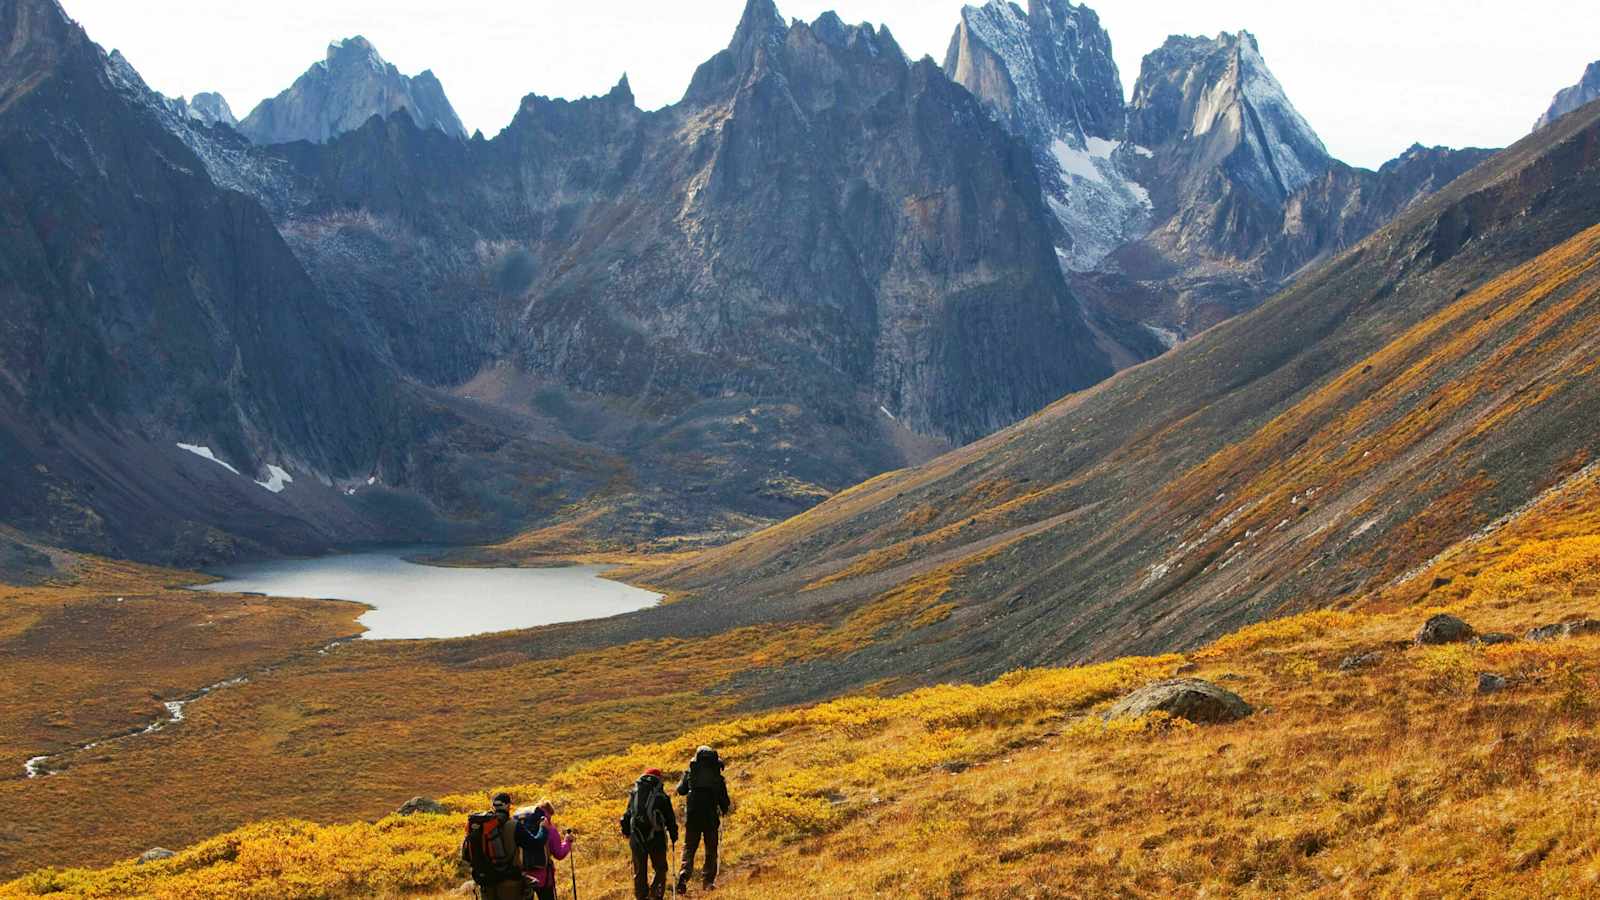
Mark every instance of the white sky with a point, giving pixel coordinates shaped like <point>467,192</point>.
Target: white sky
<point>1372,76</point>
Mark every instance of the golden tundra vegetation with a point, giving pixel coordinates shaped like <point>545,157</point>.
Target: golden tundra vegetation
<point>1395,778</point>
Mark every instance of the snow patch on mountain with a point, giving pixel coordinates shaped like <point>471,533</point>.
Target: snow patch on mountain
<point>1099,205</point>
<point>277,479</point>
<point>205,453</point>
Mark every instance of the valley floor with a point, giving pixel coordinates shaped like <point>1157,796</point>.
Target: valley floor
<point>1395,776</point>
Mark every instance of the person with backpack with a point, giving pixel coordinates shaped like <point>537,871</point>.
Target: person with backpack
<point>707,802</point>
<point>542,845</point>
<point>490,850</point>
<point>647,823</point>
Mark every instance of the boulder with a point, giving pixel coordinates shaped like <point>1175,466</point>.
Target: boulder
<point>1560,630</point>
<point>465,889</point>
<point>1495,637</point>
<point>1490,683</point>
<point>426,805</point>
<point>1198,701</point>
<point>1444,629</point>
<point>155,854</point>
<point>1361,661</point>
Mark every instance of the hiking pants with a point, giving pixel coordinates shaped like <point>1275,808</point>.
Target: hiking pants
<point>644,859</point>
<point>691,843</point>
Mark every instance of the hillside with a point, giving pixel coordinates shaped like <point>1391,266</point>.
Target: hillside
<point>1372,766</point>
<point>1391,403</point>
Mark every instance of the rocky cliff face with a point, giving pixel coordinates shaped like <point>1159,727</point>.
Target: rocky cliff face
<point>1214,104</point>
<point>822,220</point>
<point>342,92</point>
<point>1048,75</point>
<point>1586,91</point>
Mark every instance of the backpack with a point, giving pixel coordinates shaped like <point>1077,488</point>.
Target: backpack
<point>490,848</point>
<point>538,869</point>
<point>644,809</point>
<point>705,772</point>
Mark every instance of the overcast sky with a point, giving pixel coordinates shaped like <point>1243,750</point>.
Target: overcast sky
<point>1372,76</point>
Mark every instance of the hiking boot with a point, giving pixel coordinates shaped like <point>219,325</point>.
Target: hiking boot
<point>683,886</point>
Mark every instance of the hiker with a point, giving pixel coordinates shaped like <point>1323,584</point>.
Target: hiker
<point>542,845</point>
<point>707,792</point>
<point>490,849</point>
<point>647,822</point>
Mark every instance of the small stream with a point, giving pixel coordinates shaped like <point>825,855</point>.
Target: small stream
<point>39,766</point>
<point>409,601</point>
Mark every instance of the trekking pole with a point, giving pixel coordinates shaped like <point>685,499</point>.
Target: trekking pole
<point>574,861</point>
<point>671,879</point>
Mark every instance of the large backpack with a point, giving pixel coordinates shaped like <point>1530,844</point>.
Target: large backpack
<point>645,821</point>
<point>490,848</point>
<point>705,772</point>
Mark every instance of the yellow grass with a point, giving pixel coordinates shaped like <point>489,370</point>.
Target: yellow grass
<point>1394,780</point>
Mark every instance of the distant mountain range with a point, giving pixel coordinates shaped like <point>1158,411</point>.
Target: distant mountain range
<point>1199,198</point>
<point>826,261</point>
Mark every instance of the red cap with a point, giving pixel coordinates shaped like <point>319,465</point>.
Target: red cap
<point>655,772</point>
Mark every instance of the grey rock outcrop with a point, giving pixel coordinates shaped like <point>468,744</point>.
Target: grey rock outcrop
<point>155,854</point>
<point>1358,661</point>
<point>1562,630</point>
<point>422,806</point>
<point>1491,683</point>
<point>1444,629</point>
<point>1193,699</point>
<point>340,93</point>
<point>1586,91</point>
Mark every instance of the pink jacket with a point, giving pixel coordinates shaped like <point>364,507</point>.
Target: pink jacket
<point>559,844</point>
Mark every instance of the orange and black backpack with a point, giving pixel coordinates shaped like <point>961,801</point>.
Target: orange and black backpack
<point>490,848</point>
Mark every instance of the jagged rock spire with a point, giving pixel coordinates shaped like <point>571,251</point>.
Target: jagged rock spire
<point>760,24</point>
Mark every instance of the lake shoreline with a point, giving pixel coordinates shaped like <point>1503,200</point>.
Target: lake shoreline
<point>409,598</point>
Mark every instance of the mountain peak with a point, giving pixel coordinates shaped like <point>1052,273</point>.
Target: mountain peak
<point>350,85</point>
<point>623,91</point>
<point>1220,91</point>
<point>1044,72</point>
<point>759,25</point>
<point>1586,91</point>
<point>211,108</point>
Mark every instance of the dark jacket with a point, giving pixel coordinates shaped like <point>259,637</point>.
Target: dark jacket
<point>664,813</point>
<point>541,844</point>
<point>707,790</point>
